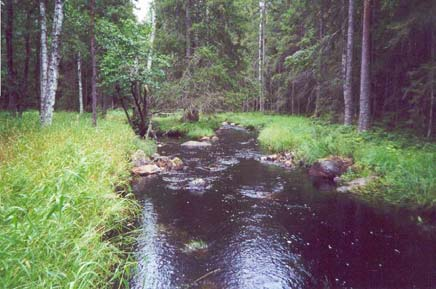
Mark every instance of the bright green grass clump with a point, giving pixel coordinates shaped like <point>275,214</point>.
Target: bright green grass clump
<point>406,165</point>
<point>59,213</point>
<point>173,124</point>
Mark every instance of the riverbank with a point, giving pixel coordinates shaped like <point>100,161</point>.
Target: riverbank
<point>405,166</point>
<point>60,215</point>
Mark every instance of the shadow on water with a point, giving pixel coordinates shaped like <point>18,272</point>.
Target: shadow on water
<point>256,225</point>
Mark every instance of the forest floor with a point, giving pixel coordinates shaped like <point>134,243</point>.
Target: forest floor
<point>60,214</point>
<point>404,165</point>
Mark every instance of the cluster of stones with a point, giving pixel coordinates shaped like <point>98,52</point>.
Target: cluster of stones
<point>329,169</point>
<point>333,167</point>
<point>286,159</point>
<point>145,166</point>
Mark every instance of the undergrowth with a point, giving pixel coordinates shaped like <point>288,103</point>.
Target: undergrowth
<point>62,225</point>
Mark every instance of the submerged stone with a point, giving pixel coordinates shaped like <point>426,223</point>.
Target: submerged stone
<point>197,183</point>
<point>194,246</point>
<point>195,144</point>
<point>354,185</point>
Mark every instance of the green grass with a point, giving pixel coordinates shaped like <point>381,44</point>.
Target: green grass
<point>406,165</point>
<point>173,124</point>
<point>62,224</point>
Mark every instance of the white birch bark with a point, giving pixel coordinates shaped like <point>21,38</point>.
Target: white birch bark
<point>52,72</point>
<point>79,80</point>
<point>152,36</point>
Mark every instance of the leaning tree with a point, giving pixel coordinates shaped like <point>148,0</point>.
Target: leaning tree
<point>125,68</point>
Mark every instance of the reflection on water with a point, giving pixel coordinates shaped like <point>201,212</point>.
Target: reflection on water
<point>268,227</point>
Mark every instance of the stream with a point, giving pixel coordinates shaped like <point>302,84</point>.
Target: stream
<point>252,224</point>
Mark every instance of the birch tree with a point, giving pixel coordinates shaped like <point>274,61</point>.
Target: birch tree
<point>364,72</point>
<point>79,81</point>
<point>152,36</point>
<point>49,60</point>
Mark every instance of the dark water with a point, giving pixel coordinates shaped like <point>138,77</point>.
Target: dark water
<point>262,226</point>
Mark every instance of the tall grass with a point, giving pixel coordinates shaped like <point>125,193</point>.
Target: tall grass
<point>406,165</point>
<point>194,130</point>
<point>59,212</point>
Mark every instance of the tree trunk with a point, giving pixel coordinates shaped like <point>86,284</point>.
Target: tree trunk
<point>51,71</point>
<point>261,55</point>
<point>94,66</point>
<point>188,24</point>
<point>152,36</point>
<point>365,73</point>
<point>43,61</point>
<point>28,50</point>
<point>348,87</point>
<point>79,82</point>
<point>320,77</point>
<point>12,93</point>
<point>293,98</point>
<point>430,115</point>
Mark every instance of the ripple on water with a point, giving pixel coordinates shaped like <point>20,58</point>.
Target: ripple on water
<point>267,228</point>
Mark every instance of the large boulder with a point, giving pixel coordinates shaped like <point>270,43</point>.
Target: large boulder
<point>195,144</point>
<point>329,168</point>
<point>146,170</point>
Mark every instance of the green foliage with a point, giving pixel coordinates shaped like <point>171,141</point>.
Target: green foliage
<point>126,50</point>
<point>61,221</point>
<point>406,166</point>
<point>212,77</point>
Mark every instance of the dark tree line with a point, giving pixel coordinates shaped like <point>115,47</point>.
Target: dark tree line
<point>352,61</point>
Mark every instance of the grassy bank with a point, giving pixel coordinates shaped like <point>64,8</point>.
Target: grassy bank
<point>59,212</point>
<point>406,165</point>
<point>173,124</point>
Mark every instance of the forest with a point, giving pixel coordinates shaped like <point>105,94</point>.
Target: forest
<point>334,100</point>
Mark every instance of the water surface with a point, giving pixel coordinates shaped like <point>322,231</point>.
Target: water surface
<point>262,226</point>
